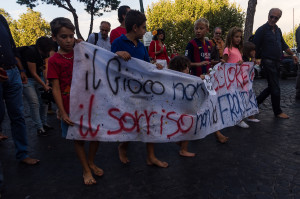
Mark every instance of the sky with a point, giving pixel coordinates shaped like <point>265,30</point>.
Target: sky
<point>50,12</point>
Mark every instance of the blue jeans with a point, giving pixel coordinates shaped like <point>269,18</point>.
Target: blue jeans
<point>38,109</point>
<point>271,70</point>
<point>11,92</point>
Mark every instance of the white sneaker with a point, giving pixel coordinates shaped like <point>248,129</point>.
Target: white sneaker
<point>242,124</point>
<point>252,120</point>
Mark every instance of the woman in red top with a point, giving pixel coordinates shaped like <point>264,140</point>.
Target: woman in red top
<point>157,49</point>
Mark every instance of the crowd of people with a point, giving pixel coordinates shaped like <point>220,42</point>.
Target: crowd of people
<point>23,72</point>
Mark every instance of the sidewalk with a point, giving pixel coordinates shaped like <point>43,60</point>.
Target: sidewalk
<point>259,162</point>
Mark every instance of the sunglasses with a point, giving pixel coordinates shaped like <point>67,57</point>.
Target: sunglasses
<point>274,17</point>
<point>217,33</point>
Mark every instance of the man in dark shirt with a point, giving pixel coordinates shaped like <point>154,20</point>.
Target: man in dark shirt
<point>270,43</point>
<point>11,92</point>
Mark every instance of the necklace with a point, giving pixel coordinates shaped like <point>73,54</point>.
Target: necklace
<point>66,57</point>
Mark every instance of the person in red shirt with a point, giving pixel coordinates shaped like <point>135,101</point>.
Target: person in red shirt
<point>60,68</point>
<point>174,53</point>
<point>117,32</point>
<point>157,49</point>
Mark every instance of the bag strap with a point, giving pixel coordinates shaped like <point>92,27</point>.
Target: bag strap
<point>155,51</point>
<point>96,38</point>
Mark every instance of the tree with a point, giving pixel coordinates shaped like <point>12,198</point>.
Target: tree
<point>177,18</point>
<point>93,7</point>
<point>29,27</point>
<point>250,19</point>
<point>288,37</point>
<point>6,15</point>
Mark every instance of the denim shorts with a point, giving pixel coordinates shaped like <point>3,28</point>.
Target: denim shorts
<point>64,129</point>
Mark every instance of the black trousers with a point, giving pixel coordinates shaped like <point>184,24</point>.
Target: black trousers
<point>272,73</point>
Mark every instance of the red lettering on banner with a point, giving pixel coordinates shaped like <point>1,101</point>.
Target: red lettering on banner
<point>148,120</point>
<point>233,75</point>
<point>115,117</point>
<point>89,130</point>
<point>136,120</point>
<point>179,129</point>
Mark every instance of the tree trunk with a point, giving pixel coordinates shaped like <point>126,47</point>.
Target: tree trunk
<point>76,23</point>
<point>250,19</point>
<point>141,6</point>
<point>92,18</point>
<point>75,16</point>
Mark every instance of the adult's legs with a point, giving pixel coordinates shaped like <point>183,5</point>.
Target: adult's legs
<point>43,108</point>
<point>298,82</point>
<point>31,95</point>
<point>2,113</point>
<point>12,94</point>
<point>271,69</point>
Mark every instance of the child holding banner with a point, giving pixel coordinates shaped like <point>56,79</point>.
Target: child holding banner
<point>182,64</point>
<point>60,68</point>
<point>233,54</point>
<point>201,53</point>
<point>249,56</point>
<point>128,46</point>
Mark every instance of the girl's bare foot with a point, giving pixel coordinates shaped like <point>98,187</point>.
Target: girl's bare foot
<point>88,178</point>
<point>186,153</point>
<point>220,137</point>
<point>96,170</point>
<point>157,162</point>
<point>123,154</point>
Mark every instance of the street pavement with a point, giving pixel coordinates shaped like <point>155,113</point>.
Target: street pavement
<point>260,162</point>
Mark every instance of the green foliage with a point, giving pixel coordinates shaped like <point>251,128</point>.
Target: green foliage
<point>28,28</point>
<point>6,15</point>
<point>94,8</point>
<point>177,18</point>
<point>288,37</point>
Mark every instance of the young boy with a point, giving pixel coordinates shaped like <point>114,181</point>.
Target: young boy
<point>182,64</point>
<point>128,46</point>
<point>60,74</point>
<point>201,53</point>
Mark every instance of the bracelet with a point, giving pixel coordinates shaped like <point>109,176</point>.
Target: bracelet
<point>294,55</point>
<point>22,71</point>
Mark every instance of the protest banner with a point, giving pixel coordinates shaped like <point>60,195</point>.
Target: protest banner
<point>113,100</point>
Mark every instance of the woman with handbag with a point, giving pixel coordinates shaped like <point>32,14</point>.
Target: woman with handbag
<point>157,48</point>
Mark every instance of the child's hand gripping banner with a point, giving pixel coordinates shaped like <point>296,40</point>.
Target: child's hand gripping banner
<point>113,100</point>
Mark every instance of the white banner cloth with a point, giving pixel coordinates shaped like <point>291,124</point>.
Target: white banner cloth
<point>113,100</point>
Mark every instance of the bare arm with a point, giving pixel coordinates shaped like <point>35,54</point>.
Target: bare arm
<point>59,102</point>
<point>295,58</point>
<point>32,70</point>
<point>200,63</point>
